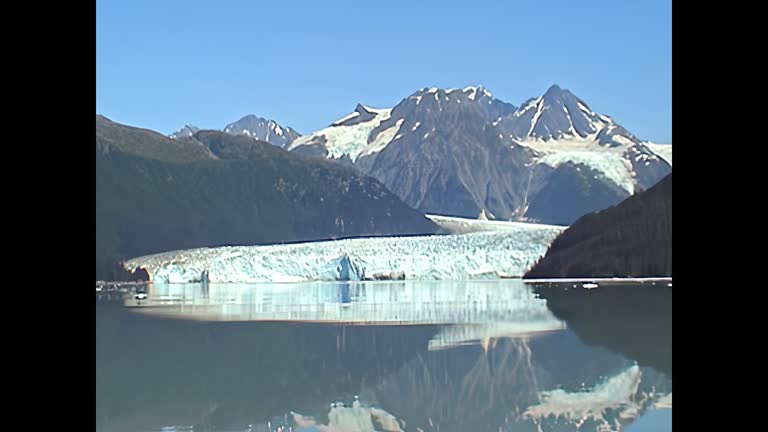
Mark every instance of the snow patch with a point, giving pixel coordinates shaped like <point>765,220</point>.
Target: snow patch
<point>609,162</point>
<point>472,92</point>
<point>347,117</point>
<point>382,139</point>
<point>585,109</point>
<point>539,110</point>
<point>664,151</point>
<point>621,139</point>
<point>350,140</point>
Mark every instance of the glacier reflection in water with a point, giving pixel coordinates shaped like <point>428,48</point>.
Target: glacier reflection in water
<point>509,307</point>
<point>371,356</point>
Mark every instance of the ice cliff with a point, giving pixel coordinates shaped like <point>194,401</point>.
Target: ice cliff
<point>492,254</point>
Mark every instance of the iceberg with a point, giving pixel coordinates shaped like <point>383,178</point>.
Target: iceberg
<point>477,255</point>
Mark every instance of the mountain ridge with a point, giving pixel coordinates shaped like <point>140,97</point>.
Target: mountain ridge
<point>488,154</point>
<point>631,239</point>
<point>155,194</point>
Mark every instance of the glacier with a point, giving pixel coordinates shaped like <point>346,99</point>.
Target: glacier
<point>506,252</point>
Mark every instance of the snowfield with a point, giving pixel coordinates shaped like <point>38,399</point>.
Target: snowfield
<point>458,225</point>
<point>492,254</point>
<point>663,151</point>
<point>350,140</point>
<point>608,161</point>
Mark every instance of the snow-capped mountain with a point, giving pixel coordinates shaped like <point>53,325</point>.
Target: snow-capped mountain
<point>252,126</point>
<point>459,151</point>
<point>348,136</point>
<point>262,130</point>
<point>186,131</point>
<point>369,130</point>
<point>560,115</point>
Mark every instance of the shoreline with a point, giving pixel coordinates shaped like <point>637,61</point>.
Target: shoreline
<point>615,280</point>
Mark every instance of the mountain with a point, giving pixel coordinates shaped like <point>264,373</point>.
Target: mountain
<point>558,114</point>
<point>114,137</point>
<point>461,151</point>
<point>570,192</point>
<point>262,130</point>
<point>186,131</point>
<point>632,239</point>
<point>156,194</point>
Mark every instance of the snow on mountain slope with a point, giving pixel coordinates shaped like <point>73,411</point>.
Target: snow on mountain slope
<point>430,141</point>
<point>559,115</point>
<point>562,128</point>
<point>367,131</point>
<point>252,126</point>
<point>262,130</point>
<point>610,162</point>
<point>348,135</point>
<point>664,151</point>
<point>186,131</point>
<point>467,256</point>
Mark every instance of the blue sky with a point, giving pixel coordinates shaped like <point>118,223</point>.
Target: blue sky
<point>162,64</point>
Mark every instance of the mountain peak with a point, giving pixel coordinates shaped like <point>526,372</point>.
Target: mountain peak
<point>252,117</point>
<point>362,109</point>
<point>559,114</point>
<point>361,114</point>
<point>477,92</point>
<point>555,94</point>
<point>263,130</point>
<point>451,99</point>
<point>187,131</point>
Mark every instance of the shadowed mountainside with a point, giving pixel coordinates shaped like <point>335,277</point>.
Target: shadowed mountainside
<point>156,194</point>
<point>631,239</point>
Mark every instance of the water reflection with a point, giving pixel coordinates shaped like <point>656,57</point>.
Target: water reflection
<point>448,356</point>
<point>483,309</point>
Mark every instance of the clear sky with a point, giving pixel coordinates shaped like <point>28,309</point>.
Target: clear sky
<point>305,63</point>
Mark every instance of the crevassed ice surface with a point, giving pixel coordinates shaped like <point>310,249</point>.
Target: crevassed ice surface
<point>606,160</point>
<point>467,256</point>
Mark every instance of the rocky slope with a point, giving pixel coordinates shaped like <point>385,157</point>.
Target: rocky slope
<point>632,239</point>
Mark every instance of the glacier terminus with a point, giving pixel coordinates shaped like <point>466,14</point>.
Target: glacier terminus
<point>493,249</point>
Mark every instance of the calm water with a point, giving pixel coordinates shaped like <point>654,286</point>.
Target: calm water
<point>411,356</point>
